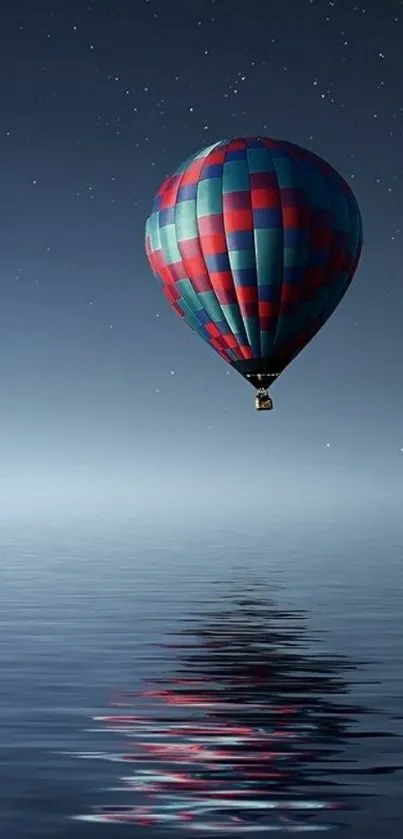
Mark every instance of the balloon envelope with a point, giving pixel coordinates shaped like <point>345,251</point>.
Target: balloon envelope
<point>255,242</point>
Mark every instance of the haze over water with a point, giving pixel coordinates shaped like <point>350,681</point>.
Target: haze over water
<point>204,678</point>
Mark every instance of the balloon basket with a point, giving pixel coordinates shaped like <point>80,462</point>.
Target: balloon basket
<point>263,401</point>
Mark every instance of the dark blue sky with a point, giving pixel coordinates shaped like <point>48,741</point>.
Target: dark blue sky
<point>105,393</point>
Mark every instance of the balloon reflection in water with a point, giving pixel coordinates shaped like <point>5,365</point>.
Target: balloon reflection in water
<point>248,736</point>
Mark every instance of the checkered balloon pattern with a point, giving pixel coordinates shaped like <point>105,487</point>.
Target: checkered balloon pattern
<point>255,242</point>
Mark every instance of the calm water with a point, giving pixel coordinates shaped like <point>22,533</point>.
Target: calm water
<point>158,683</point>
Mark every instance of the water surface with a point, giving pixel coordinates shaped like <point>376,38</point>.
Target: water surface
<point>158,681</point>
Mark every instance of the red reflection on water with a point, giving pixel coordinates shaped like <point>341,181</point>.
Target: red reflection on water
<point>258,727</point>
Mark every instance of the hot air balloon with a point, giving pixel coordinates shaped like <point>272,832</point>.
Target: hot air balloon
<point>255,242</point>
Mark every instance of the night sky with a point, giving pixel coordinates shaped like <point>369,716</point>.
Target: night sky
<point>107,398</point>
